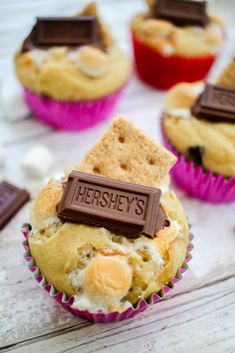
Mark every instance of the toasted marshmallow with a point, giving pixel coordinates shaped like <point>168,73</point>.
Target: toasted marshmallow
<point>92,61</point>
<point>39,56</point>
<point>183,95</point>
<point>159,28</point>
<point>214,35</point>
<point>107,278</point>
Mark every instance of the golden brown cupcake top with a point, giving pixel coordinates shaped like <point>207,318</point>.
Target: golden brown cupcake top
<point>65,73</point>
<point>184,130</point>
<point>169,39</point>
<point>104,270</point>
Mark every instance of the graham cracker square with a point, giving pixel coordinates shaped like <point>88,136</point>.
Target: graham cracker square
<point>124,152</point>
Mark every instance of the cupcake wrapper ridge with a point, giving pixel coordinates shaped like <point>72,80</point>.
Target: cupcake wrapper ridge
<point>71,116</point>
<point>196,182</point>
<point>99,317</point>
<point>161,71</point>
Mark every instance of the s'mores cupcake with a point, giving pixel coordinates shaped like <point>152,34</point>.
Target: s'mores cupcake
<point>72,70</point>
<point>199,127</point>
<point>110,238</point>
<point>175,41</point>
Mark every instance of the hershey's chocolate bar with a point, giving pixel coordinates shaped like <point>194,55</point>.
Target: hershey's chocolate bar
<point>125,208</point>
<point>64,31</point>
<point>182,12</point>
<point>11,200</point>
<point>215,104</point>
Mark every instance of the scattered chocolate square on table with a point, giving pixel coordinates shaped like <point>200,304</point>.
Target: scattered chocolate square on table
<point>12,199</point>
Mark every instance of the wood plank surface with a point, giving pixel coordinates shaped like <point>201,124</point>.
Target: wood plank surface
<point>199,314</point>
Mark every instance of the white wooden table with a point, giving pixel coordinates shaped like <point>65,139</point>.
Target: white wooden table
<point>199,314</point>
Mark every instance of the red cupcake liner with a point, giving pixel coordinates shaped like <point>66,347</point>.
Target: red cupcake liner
<point>99,317</point>
<point>72,116</point>
<point>203,185</point>
<point>161,71</point>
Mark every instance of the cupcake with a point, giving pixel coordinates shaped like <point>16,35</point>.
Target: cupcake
<point>198,126</point>
<point>72,71</point>
<point>110,238</point>
<point>175,41</point>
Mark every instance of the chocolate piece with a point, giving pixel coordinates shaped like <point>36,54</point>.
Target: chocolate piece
<point>182,12</point>
<point>125,208</point>
<point>64,31</point>
<point>11,200</point>
<point>195,154</point>
<point>216,104</point>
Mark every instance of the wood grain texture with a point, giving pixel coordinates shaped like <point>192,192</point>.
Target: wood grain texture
<point>199,315</point>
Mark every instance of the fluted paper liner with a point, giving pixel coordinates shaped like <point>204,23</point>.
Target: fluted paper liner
<point>99,317</point>
<point>204,185</point>
<point>162,71</point>
<point>71,116</point>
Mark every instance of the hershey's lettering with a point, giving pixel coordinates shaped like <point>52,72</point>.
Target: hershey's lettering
<point>109,200</point>
<point>122,207</point>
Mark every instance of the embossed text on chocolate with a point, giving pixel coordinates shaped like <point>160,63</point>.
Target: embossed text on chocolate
<point>216,103</point>
<point>122,207</point>
<point>108,199</point>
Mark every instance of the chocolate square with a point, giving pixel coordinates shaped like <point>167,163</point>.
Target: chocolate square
<point>125,208</point>
<point>182,12</point>
<point>216,104</point>
<point>71,31</point>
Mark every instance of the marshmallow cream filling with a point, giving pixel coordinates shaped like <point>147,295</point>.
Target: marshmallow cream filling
<point>93,63</point>
<point>133,250</point>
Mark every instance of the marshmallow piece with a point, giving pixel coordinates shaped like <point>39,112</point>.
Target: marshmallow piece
<point>159,28</point>
<point>92,62</point>
<point>183,113</point>
<point>107,279</point>
<point>37,162</point>
<point>13,106</point>
<point>39,56</point>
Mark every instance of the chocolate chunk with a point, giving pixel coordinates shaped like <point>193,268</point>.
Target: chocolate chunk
<point>124,208</point>
<point>11,200</point>
<point>182,12</point>
<point>216,104</point>
<point>64,31</point>
<point>195,154</point>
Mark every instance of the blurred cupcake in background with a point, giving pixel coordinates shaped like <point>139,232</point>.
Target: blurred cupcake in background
<point>72,71</point>
<point>199,127</point>
<point>175,41</point>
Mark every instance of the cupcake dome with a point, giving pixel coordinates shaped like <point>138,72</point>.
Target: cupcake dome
<point>166,53</point>
<point>73,87</point>
<point>209,145</point>
<point>106,271</point>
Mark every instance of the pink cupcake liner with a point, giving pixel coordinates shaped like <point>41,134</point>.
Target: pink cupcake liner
<point>71,115</point>
<point>203,185</point>
<point>99,317</point>
<point>161,71</point>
